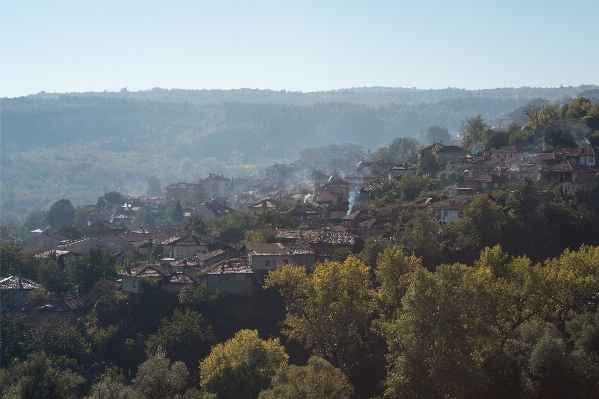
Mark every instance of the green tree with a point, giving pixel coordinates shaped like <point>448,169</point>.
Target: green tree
<point>176,214</point>
<point>111,199</point>
<point>394,269</point>
<point>56,337</point>
<point>441,333</point>
<point>111,386</point>
<point>241,367</point>
<point>15,330</point>
<point>35,220</point>
<point>187,337</point>
<point>398,150</point>
<point>475,134</point>
<point>329,311</point>
<point>316,380</point>
<point>479,225</point>
<point>154,187</point>
<point>437,134</point>
<point>157,378</point>
<point>81,217</point>
<point>69,230</point>
<point>91,267</point>
<point>41,377</point>
<point>62,211</point>
<point>263,235</point>
<point>373,246</point>
<point>420,236</point>
<point>427,164</point>
<point>522,202</point>
<point>196,223</point>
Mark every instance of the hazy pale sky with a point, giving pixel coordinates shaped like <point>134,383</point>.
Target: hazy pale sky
<point>66,46</point>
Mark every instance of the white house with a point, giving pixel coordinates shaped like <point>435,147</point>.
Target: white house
<point>264,257</point>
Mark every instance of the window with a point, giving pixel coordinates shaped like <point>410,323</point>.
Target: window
<point>498,156</point>
<point>133,285</point>
<point>267,262</point>
<point>274,262</point>
<point>212,278</point>
<point>309,259</point>
<point>445,213</point>
<point>510,155</point>
<point>240,277</point>
<point>285,261</point>
<point>67,315</point>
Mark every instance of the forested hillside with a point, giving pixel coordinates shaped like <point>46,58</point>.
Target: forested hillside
<point>81,145</point>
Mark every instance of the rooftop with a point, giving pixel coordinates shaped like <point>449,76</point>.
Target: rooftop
<point>18,283</point>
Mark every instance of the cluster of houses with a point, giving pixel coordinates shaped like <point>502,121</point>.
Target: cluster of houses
<point>324,204</point>
<point>202,259</point>
<point>192,260</point>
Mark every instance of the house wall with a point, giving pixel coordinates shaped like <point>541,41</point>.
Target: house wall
<point>448,215</point>
<point>130,284</point>
<point>40,243</point>
<point>238,284</point>
<point>326,196</point>
<point>263,263</point>
<point>182,251</point>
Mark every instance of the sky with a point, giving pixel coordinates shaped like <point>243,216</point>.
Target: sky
<point>77,46</point>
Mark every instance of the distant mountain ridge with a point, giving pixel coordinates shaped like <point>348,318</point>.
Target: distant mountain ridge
<point>371,96</point>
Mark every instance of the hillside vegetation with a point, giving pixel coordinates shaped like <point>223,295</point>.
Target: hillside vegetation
<point>82,144</point>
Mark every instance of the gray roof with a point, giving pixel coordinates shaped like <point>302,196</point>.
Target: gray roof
<point>13,283</point>
<point>267,249</point>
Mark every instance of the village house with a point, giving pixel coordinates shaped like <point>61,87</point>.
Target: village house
<point>327,243</point>
<point>184,247</point>
<point>265,205</point>
<point>316,178</point>
<point>156,278</point>
<point>216,186</point>
<point>278,175</point>
<point>401,169</point>
<point>451,209</point>
<point>212,209</point>
<point>287,236</point>
<point>586,156</point>
<point>567,174</point>
<point>302,254</point>
<point>62,256</point>
<point>307,213</point>
<point>353,219</point>
<point>265,257</point>
<point>508,157</point>
<point>339,210</point>
<point>490,182</point>
<point>448,153</point>
<point>181,191</point>
<point>102,229</point>
<point>43,242</point>
<point>199,261</point>
<point>15,291</point>
<point>474,165</point>
<point>83,245</point>
<point>231,275</point>
<point>68,309</point>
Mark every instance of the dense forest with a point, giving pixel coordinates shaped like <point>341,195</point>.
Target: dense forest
<point>82,144</point>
